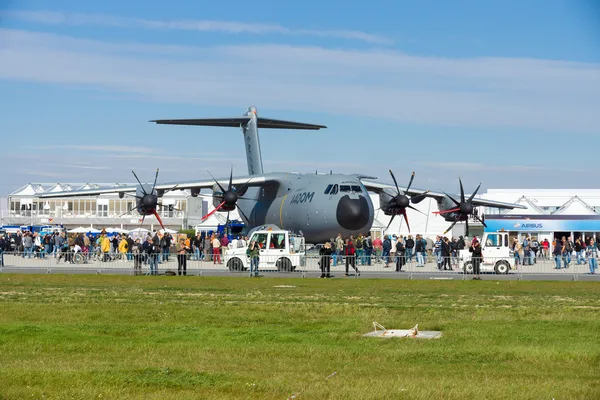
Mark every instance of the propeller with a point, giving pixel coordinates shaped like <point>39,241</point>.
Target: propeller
<point>229,198</point>
<point>464,208</point>
<point>147,202</point>
<point>400,202</point>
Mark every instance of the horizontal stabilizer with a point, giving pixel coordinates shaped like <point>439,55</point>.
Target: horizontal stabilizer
<point>232,122</point>
<point>280,124</point>
<point>238,121</point>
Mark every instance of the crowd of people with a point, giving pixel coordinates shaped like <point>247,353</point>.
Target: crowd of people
<point>395,249</point>
<point>392,250</point>
<point>530,250</point>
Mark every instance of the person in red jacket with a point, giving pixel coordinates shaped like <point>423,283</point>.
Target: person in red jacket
<point>350,254</point>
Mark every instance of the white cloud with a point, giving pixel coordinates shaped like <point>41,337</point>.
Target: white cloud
<point>99,148</point>
<point>481,92</point>
<point>231,27</point>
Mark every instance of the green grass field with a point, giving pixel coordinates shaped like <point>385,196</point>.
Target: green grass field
<point>126,337</point>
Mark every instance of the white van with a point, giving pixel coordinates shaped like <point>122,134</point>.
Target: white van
<point>279,250</point>
<point>496,254</point>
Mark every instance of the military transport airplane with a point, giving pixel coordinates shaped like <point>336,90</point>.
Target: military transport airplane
<point>318,205</point>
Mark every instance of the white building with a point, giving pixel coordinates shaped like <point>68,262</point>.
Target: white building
<point>550,213</point>
<point>24,207</point>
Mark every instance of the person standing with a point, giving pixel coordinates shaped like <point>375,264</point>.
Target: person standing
<point>350,254</point>
<point>216,248</point>
<point>476,257</point>
<point>136,252</point>
<point>400,249</point>
<point>253,252</point>
<point>325,253</point>
<point>182,249</point>
<point>592,253</point>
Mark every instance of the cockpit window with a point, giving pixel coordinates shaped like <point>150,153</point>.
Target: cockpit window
<point>350,188</point>
<point>328,189</point>
<point>334,190</point>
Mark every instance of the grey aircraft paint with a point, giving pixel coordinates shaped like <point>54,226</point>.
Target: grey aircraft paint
<point>318,205</point>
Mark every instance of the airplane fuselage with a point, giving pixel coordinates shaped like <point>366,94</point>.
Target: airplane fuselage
<point>320,206</point>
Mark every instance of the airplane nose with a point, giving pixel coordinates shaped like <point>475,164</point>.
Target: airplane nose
<point>352,214</point>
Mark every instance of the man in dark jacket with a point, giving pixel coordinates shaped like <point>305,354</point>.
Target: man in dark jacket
<point>325,253</point>
<point>476,257</point>
<point>409,245</point>
<point>387,246</point>
<point>400,255</point>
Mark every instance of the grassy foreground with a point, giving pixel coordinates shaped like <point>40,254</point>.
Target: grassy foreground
<point>125,337</point>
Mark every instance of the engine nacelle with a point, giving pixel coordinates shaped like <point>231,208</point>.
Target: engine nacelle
<point>385,197</point>
<point>218,199</point>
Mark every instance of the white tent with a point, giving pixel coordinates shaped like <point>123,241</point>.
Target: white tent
<point>116,230</point>
<point>81,229</point>
<point>139,230</point>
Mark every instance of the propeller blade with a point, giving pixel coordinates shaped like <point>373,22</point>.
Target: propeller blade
<point>395,182</point>
<point>132,195</point>
<point>154,185</point>
<point>462,191</point>
<point>419,197</point>
<point>142,222</point>
<point>218,184</point>
<point>128,211</point>
<point>169,207</point>
<point>446,211</point>
<point>213,211</point>
<point>467,227</point>
<point>158,218</point>
<point>419,211</point>
<point>452,198</point>
<point>227,224</point>
<point>391,219</point>
<point>170,190</point>
<point>480,220</point>
<point>138,179</point>
<point>244,186</point>
<point>243,213</point>
<point>450,228</point>
<point>474,193</point>
<point>410,183</point>
<point>230,178</point>
<point>406,219</point>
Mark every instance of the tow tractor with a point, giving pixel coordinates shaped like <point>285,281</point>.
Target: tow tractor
<point>279,249</point>
<point>496,254</point>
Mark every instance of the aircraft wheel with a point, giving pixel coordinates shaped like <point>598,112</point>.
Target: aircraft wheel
<point>468,267</point>
<point>235,265</point>
<point>502,267</point>
<point>284,265</point>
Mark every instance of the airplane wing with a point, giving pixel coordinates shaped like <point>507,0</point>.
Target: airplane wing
<point>251,181</point>
<point>378,187</point>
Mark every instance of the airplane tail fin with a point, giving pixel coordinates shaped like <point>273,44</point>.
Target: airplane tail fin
<point>249,124</point>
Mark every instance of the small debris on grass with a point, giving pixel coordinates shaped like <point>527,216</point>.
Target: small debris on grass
<point>285,286</point>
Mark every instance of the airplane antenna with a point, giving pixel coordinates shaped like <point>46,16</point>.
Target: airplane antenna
<point>330,172</point>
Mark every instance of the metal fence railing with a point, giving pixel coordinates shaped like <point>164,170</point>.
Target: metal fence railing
<point>298,265</point>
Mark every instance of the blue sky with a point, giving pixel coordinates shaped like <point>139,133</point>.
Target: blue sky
<point>500,92</point>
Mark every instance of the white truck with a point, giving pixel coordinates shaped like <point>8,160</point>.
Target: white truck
<point>497,256</point>
<point>280,250</point>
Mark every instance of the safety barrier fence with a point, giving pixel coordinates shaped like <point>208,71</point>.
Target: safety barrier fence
<point>298,265</point>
